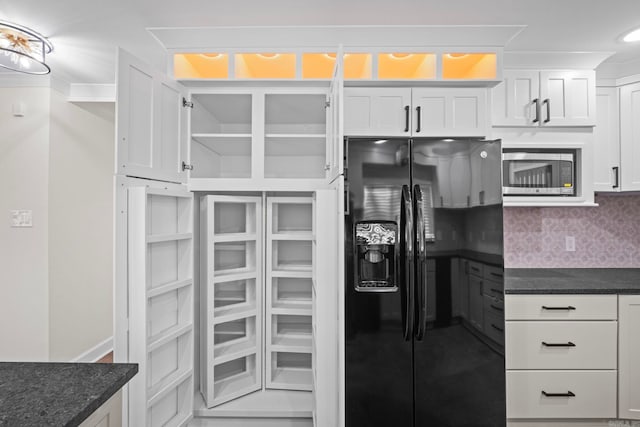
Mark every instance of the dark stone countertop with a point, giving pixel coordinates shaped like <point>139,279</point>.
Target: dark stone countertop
<point>572,281</point>
<point>57,394</point>
<point>493,259</point>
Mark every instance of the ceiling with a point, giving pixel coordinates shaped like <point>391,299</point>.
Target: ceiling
<point>85,33</point>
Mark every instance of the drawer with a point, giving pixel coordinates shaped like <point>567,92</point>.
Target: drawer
<point>561,307</point>
<point>494,327</point>
<point>494,306</point>
<point>476,268</point>
<point>561,345</point>
<point>589,394</point>
<point>493,288</point>
<point>491,272</point>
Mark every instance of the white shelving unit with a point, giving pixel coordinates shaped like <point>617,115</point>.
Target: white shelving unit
<point>160,251</point>
<point>231,297</point>
<point>221,135</point>
<point>254,138</point>
<point>295,136</point>
<point>289,267</point>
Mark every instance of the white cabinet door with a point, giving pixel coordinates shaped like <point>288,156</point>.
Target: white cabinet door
<point>567,98</point>
<point>513,99</point>
<point>326,305</point>
<point>630,137</point>
<point>290,269</point>
<point>628,357</point>
<point>449,112</point>
<point>335,143</point>
<point>606,141</point>
<point>545,98</point>
<point>377,112</point>
<point>160,282</point>
<point>151,122</point>
<point>230,297</point>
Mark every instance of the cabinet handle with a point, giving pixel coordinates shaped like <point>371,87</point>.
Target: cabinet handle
<point>548,102</point>
<point>418,114</point>
<point>562,344</point>
<point>497,328</point>
<point>497,274</point>
<point>495,307</point>
<point>406,118</point>
<point>616,170</point>
<point>567,394</point>
<point>536,102</point>
<point>544,307</point>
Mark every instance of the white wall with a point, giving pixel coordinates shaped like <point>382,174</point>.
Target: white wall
<point>56,298</point>
<point>80,226</point>
<point>24,157</point>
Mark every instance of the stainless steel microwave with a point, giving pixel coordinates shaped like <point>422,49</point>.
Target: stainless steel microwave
<point>539,172</point>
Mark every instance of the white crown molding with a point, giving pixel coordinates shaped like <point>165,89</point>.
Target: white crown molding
<point>554,60</point>
<point>310,37</point>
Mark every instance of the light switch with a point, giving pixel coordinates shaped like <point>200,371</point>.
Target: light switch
<point>22,218</point>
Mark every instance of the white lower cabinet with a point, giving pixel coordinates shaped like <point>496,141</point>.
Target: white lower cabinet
<point>561,394</point>
<point>561,357</point>
<point>629,357</point>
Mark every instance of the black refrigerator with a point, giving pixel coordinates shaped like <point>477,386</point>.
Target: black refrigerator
<point>414,208</point>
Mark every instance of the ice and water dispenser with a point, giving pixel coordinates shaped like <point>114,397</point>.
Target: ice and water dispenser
<point>375,256</point>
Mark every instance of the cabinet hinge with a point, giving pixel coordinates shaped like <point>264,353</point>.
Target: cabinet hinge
<point>186,103</point>
<point>186,167</point>
<point>327,104</point>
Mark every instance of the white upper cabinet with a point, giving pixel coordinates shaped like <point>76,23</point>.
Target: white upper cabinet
<point>545,98</point>
<point>606,141</point>
<point>449,112</point>
<point>617,139</point>
<point>404,112</point>
<point>377,112</point>
<point>151,122</point>
<point>630,137</point>
<point>263,139</point>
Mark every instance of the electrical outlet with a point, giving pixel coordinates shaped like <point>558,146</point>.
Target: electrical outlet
<point>570,243</point>
<point>22,218</point>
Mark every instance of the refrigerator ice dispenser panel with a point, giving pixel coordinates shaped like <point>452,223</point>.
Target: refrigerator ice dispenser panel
<point>375,257</point>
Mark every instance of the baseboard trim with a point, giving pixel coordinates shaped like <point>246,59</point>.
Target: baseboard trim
<point>96,353</point>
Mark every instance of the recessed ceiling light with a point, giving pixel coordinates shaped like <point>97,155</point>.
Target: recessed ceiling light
<point>380,141</point>
<point>632,36</point>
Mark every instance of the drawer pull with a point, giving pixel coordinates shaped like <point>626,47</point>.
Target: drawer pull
<point>569,307</point>
<point>496,274</point>
<point>562,344</point>
<point>496,307</point>
<point>497,328</point>
<point>567,394</point>
<point>498,291</point>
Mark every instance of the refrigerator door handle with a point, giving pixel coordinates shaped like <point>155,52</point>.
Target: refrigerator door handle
<point>421,265</point>
<point>406,263</point>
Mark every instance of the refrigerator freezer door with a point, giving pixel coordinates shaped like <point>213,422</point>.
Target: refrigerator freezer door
<point>378,360</point>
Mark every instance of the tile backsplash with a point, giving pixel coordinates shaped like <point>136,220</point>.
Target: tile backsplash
<point>605,236</point>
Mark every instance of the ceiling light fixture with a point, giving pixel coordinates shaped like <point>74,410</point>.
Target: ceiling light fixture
<point>22,49</point>
<point>632,36</point>
<point>380,141</point>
